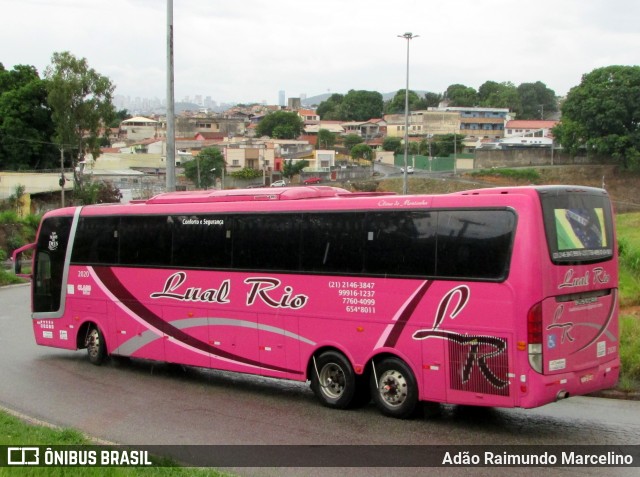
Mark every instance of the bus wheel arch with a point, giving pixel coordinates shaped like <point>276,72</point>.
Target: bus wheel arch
<point>91,337</point>
<point>332,377</point>
<point>394,387</point>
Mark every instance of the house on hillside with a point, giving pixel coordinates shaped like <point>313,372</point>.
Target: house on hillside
<point>529,127</point>
<point>139,128</point>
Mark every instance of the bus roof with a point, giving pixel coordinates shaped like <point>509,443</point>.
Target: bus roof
<point>257,194</point>
<point>282,199</point>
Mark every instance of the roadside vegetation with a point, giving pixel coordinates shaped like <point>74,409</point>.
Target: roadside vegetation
<point>628,228</point>
<point>16,432</point>
<point>531,176</point>
<point>15,231</point>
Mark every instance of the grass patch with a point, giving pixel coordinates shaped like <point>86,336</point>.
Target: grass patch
<point>520,175</point>
<point>15,432</point>
<point>629,353</point>
<point>7,277</point>
<point>628,228</point>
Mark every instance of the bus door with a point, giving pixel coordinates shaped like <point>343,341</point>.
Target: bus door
<point>49,276</point>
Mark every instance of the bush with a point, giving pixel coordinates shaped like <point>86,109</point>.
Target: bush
<point>629,256</point>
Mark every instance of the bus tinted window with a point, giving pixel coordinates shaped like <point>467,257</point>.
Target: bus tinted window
<point>96,241</point>
<point>474,243</point>
<point>333,242</point>
<point>401,243</point>
<point>266,242</point>
<point>447,244</point>
<point>578,227</point>
<point>201,241</point>
<point>145,240</point>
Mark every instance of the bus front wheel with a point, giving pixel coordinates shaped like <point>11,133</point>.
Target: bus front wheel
<point>394,388</point>
<point>333,380</point>
<point>96,347</point>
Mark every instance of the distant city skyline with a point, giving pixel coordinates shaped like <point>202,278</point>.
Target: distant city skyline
<point>139,104</point>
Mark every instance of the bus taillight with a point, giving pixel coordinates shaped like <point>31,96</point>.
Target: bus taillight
<point>534,336</point>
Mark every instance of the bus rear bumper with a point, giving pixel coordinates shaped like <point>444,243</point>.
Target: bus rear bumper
<point>543,389</point>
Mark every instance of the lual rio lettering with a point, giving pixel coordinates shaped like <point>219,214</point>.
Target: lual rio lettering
<point>266,290</point>
<point>173,290</point>
<point>572,280</point>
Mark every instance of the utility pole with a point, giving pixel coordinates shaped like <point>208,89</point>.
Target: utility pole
<point>407,36</point>
<point>62,179</point>
<point>171,120</point>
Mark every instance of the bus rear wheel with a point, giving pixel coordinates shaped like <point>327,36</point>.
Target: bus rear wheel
<point>394,388</point>
<point>96,347</point>
<point>333,380</point>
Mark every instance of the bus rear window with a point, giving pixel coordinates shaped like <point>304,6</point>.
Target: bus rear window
<point>578,225</point>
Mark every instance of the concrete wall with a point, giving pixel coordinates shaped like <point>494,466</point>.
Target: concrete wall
<point>523,157</point>
<point>33,182</point>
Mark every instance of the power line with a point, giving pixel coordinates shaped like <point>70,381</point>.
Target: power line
<point>34,141</point>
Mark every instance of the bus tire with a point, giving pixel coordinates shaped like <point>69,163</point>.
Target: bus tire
<point>394,388</point>
<point>333,380</point>
<point>96,346</point>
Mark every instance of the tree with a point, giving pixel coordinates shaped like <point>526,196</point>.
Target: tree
<point>25,121</point>
<point>97,193</point>
<point>602,115</point>
<point>432,100</point>
<point>362,151</point>
<point>326,139</point>
<point>392,144</point>
<point>351,140</point>
<point>460,95</point>
<point>329,110</point>
<point>537,100</point>
<point>289,169</point>
<point>120,116</point>
<point>281,125</point>
<point>442,145</point>
<point>354,106</point>
<point>499,95</point>
<point>81,101</point>
<point>396,105</point>
<point>361,105</point>
<point>205,167</point>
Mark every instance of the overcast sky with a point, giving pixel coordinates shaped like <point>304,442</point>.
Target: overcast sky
<point>249,50</point>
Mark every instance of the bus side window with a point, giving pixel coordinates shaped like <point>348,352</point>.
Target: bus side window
<point>333,242</point>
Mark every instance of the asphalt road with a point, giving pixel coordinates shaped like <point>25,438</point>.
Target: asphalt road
<point>140,402</point>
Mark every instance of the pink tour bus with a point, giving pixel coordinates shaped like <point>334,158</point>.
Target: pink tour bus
<point>503,297</point>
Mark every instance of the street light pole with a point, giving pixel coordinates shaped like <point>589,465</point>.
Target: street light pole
<point>407,36</point>
<point>171,134</point>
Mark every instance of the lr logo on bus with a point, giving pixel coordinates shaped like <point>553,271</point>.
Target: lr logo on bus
<point>23,456</point>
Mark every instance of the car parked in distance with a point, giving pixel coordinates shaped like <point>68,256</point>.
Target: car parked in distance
<point>278,184</point>
<point>409,170</point>
<point>312,180</point>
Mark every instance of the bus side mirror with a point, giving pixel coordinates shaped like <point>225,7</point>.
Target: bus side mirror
<point>18,260</point>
